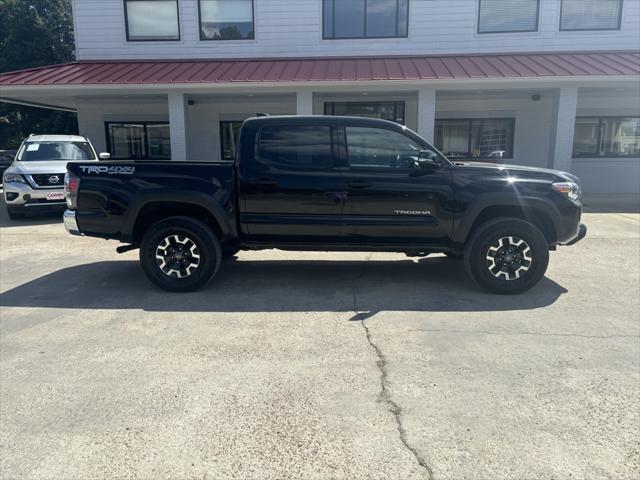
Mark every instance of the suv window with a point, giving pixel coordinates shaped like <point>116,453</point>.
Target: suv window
<point>295,147</point>
<point>369,147</point>
<point>35,151</point>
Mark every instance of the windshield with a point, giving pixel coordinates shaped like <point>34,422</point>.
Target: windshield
<point>40,151</point>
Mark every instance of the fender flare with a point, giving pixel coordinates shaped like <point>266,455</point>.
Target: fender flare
<point>462,226</point>
<point>199,199</point>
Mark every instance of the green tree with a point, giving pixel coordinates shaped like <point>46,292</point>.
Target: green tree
<point>34,33</point>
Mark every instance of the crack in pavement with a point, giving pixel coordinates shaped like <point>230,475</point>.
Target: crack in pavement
<point>385,394</point>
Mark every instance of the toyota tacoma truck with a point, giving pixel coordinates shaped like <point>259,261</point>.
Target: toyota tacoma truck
<point>327,184</point>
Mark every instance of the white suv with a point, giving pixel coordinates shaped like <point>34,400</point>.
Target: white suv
<point>35,180</point>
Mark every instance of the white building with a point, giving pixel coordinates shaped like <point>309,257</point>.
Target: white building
<point>172,79</point>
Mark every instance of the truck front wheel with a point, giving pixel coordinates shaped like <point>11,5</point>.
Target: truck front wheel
<point>180,254</point>
<point>507,255</point>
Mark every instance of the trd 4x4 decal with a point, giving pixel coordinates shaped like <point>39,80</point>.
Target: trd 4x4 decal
<point>114,170</point>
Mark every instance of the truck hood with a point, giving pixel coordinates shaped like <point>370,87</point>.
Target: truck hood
<point>518,171</point>
<point>40,167</point>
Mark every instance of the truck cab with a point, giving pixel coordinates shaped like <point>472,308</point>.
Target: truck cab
<point>341,180</point>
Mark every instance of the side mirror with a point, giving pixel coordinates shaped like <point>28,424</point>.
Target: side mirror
<point>104,156</point>
<point>428,160</point>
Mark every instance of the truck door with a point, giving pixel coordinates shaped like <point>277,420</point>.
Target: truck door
<point>289,189</point>
<point>390,198</point>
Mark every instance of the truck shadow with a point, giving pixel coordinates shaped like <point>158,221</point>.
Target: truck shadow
<point>430,285</point>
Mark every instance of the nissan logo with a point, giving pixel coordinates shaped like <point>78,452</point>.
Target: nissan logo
<point>54,179</point>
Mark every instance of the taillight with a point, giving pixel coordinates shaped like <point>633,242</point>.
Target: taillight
<point>71,187</point>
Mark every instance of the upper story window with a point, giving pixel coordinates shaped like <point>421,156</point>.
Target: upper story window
<point>152,20</point>
<point>226,20</point>
<point>343,19</point>
<point>504,16</point>
<point>591,14</point>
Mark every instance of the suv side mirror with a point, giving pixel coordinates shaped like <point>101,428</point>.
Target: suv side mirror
<point>104,156</point>
<point>428,160</point>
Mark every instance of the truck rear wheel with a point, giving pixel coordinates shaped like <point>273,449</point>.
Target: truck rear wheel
<point>507,256</point>
<point>180,254</point>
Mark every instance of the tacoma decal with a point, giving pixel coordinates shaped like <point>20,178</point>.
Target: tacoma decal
<point>114,170</point>
<point>413,212</point>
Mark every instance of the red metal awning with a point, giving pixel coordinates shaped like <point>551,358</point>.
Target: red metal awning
<point>447,67</point>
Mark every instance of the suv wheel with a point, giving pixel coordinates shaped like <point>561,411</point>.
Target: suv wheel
<point>180,254</point>
<point>507,255</point>
<point>15,215</point>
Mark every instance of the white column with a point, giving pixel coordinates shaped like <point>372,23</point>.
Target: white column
<point>304,102</point>
<point>178,126</point>
<point>565,126</point>
<point>427,113</point>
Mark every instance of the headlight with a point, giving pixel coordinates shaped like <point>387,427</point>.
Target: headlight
<point>568,189</point>
<point>13,178</point>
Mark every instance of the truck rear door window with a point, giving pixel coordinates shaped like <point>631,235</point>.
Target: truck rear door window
<point>295,147</point>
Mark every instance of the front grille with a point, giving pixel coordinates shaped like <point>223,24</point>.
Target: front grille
<point>49,180</point>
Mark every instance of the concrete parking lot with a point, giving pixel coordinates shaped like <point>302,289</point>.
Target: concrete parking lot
<point>318,365</point>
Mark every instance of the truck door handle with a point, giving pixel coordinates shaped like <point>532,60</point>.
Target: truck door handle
<point>266,182</point>
<point>355,184</point>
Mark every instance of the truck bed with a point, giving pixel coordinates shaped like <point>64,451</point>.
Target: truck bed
<point>113,192</point>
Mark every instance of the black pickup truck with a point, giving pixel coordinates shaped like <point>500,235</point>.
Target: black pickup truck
<point>329,184</point>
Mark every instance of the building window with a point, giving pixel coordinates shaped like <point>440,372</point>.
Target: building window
<point>591,14</point>
<point>151,20</point>
<point>502,16</point>
<point>229,132</point>
<point>344,19</point>
<point>483,138</point>
<point>393,111</point>
<point>138,140</point>
<point>226,20</point>
<point>607,137</point>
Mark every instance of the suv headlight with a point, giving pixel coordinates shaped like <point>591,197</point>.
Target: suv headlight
<point>13,178</point>
<point>568,189</point>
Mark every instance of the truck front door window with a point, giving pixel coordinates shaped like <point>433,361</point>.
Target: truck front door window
<point>378,148</point>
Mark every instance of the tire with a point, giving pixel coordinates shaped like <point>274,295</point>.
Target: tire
<point>192,253</point>
<point>490,264</point>
<point>14,215</point>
